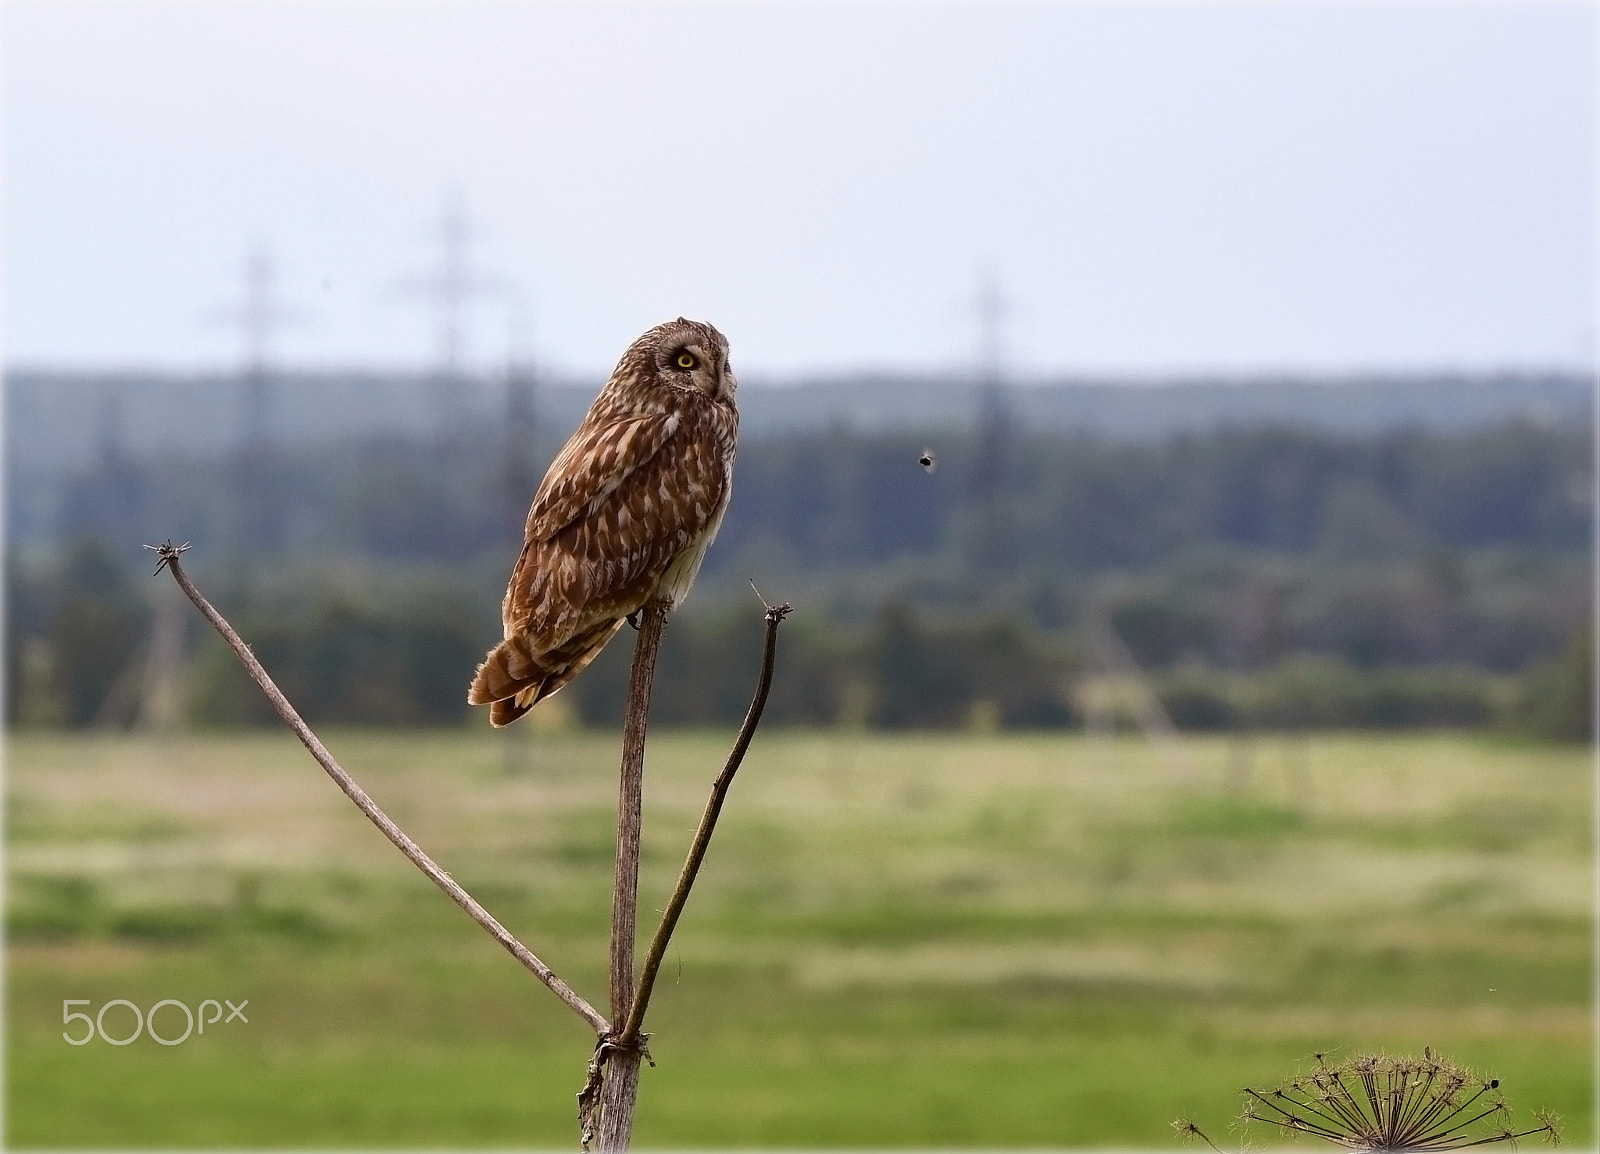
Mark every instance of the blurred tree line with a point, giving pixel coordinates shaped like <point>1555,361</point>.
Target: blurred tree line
<point>1275,577</point>
<point>836,498</point>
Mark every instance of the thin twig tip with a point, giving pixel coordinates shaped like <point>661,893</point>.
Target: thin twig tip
<point>774,612</point>
<point>168,553</point>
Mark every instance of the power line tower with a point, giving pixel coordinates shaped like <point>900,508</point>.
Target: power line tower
<point>449,289</point>
<point>521,472</point>
<point>992,430</point>
<point>109,498</point>
<point>519,476</point>
<point>1124,677</point>
<point>257,473</point>
<point>111,453</point>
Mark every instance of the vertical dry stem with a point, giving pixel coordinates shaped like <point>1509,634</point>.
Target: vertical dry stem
<point>621,1090</point>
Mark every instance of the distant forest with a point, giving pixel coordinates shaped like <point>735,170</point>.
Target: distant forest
<point>1261,575</point>
<point>58,419</point>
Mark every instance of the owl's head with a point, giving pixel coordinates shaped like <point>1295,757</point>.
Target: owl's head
<point>689,354</point>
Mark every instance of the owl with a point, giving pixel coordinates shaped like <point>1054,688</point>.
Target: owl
<point>623,517</point>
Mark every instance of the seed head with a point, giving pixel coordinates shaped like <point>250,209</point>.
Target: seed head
<point>1379,1102</point>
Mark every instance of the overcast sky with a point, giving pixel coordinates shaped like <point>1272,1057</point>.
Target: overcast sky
<point>1174,187</point>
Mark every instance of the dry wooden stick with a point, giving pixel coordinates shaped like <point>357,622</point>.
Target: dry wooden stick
<point>702,835</point>
<point>620,1091</point>
<point>169,554</point>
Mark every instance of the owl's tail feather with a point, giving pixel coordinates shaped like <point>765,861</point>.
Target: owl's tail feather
<point>509,668</point>
<point>503,713</point>
<point>509,681</point>
<point>512,679</point>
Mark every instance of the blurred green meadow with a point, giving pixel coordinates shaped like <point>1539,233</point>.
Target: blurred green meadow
<point>914,941</point>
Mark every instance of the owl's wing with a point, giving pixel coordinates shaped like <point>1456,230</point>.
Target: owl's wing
<point>595,461</point>
<point>623,500</point>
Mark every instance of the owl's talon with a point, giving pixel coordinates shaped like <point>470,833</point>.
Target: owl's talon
<point>633,619</point>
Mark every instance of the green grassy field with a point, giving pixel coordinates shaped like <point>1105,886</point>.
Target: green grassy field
<point>936,940</point>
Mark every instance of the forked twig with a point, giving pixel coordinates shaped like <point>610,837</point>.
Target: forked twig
<point>168,555</point>
<point>610,1093</point>
<point>702,835</point>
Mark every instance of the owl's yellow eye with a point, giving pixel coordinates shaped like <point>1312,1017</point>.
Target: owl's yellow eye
<point>686,360</point>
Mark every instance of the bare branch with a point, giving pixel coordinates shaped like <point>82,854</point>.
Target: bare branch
<point>620,1090</point>
<point>708,824</point>
<point>630,805</point>
<point>168,554</point>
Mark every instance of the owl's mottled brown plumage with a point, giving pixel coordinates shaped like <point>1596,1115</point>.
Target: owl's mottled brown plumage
<point>623,517</point>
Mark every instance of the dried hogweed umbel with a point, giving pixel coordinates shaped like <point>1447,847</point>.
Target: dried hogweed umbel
<point>1377,1102</point>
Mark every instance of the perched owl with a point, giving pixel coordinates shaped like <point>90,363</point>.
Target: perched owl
<point>623,517</point>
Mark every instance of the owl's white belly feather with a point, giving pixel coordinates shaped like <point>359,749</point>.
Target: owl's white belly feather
<point>680,573</point>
